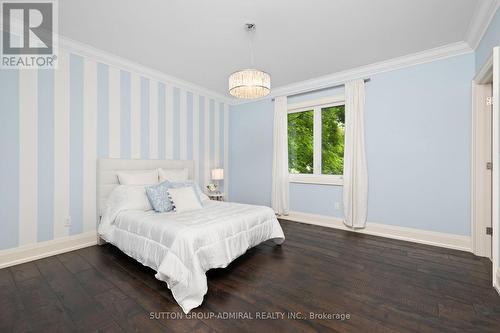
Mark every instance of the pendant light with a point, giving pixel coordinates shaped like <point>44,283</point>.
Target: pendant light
<point>249,83</point>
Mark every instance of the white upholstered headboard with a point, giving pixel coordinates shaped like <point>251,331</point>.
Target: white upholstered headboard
<point>107,169</point>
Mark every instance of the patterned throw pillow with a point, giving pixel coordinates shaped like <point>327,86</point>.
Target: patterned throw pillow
<point>159,198</point>
<point>185,199</point>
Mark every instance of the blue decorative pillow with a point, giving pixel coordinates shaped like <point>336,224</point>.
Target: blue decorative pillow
<point>159,198</point>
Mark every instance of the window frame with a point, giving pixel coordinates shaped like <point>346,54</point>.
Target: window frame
<point>316,177</point>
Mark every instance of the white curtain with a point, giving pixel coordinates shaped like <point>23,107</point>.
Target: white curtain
<point>280,188</point>
<point>355,169</point>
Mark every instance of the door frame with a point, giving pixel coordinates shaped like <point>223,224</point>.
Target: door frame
<point>489,72</point>
<point>481,242</point>
<point>496,185</point>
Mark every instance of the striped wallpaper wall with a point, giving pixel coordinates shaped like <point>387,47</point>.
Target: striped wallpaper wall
<point>54,124</point>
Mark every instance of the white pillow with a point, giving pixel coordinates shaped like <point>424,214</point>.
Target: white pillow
<point>123,197</point>
<point>139,177</point>
<point>173,175</point>
<point>184,199</point>
<point>135,197</point>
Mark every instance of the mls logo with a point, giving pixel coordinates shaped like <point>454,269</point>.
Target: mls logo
<point>28,34</point>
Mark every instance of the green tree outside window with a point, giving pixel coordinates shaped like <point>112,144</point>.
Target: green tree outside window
<point>301,141</point>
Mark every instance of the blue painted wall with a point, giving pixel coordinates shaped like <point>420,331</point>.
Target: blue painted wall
<point>418,149</point>
<point>490,39</point>
<point>418,146</point>
<point>250,152</point>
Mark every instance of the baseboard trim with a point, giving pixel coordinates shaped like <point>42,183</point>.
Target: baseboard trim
<point>450,241</point>
<point>496,285</point>
<point>41,250</point>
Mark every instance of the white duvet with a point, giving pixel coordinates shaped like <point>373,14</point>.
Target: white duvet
<point>181,247</point>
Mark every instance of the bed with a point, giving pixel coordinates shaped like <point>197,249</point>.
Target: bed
<point>180,247</point>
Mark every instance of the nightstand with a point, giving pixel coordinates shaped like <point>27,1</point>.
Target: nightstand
<point>216,196</point>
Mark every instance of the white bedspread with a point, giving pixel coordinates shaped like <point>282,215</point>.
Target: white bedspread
<point>181,247</point>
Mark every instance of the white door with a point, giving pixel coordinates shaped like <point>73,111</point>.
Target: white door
<point>496,164</point>
<point>482,169</point>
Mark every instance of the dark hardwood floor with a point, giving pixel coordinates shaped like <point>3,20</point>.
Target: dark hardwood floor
<point>384,285</point>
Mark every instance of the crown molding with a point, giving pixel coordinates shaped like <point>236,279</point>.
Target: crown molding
<point>442,52</point>
<point>114,60</point>
<point>481,19</point>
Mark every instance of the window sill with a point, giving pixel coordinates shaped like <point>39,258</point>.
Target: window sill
<point>316,179</point>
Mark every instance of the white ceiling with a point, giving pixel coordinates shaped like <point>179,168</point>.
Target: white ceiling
<point>204,41</point>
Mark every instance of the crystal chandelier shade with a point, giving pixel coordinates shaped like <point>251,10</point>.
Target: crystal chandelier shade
<point>249,83</point>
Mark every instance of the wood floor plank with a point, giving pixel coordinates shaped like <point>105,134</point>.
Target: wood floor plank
<point>25,271</point>
<point>73,262</point>
<point>13,315</point>
<point>84,311</point>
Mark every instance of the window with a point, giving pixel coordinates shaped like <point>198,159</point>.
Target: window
<point>300,142</point>
<point>316,142</point>
<point>332,140</point>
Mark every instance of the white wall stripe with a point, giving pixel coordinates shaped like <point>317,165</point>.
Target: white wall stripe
<point>61,149</point>
<point>153,119</point>
<point>114,112</point>
<point>89,144</point>
<point>226,150</point>
<point>206,172</point>
<point>196,130</point>
<point>183,124</point>
<point>217,162</point>
<point>135,105</point>
<point>28,158</point>
<point>169,118</point>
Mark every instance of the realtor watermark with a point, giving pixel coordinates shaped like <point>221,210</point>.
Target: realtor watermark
<point>29,34</point>
<point>243,315</point>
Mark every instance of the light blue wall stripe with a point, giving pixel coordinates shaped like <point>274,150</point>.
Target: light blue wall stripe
<point>144,118</point>
<point>9,150</point>
<point>221,134</point>
<point>46,129</point>
<point>76,144</point>
<point>189,121</point>
<point>177,123</point>
<point>211,140</point>
<point>162,135</point>
<point>201,139</point>
<point>102,110</point>
<point>125,116</point>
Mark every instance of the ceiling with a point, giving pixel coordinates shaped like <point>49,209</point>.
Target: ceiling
<point>204,41</point>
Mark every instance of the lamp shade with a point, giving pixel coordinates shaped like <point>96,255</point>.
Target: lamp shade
<point>249,83</point>
<point>217,174</point>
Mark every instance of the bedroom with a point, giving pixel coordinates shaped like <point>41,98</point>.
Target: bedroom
<point>348,182</point>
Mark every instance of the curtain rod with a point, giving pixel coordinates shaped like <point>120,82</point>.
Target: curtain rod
<point>325,88</point>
